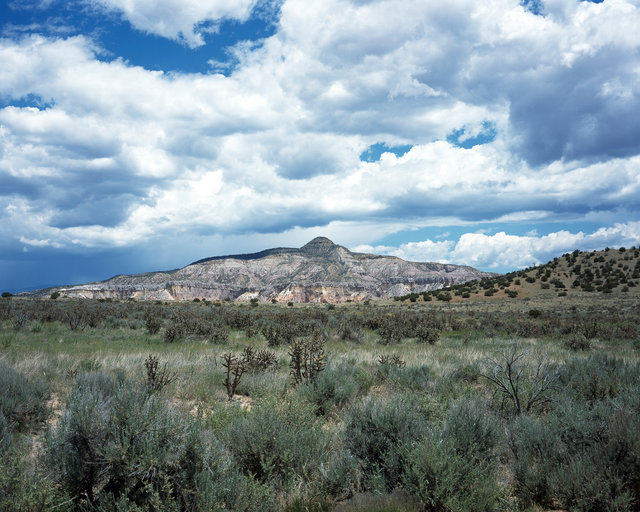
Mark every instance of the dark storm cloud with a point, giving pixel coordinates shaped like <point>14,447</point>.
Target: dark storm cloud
<point>588,111</point>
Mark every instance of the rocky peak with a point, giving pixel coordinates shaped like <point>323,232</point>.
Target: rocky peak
<point>319,246</point>
<point>318,271</point>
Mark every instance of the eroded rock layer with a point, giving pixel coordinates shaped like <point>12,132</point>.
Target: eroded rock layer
<point>320,271</point>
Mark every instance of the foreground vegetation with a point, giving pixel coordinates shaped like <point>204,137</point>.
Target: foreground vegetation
<point>499,405</point>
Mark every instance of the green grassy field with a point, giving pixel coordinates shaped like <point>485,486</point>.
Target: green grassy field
<point>513,404</point>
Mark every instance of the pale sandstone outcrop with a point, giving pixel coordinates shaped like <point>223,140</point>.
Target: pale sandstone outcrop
<point>320,271</point>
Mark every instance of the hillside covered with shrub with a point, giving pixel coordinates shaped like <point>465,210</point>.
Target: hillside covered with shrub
<point>611,271</point>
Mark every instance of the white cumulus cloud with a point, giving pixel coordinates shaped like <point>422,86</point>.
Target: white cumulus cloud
<point>95,153</point>
<point>510,252</point>
<point>181,20</point>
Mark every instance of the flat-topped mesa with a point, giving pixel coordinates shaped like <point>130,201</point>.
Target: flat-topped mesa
<point>319,246</point>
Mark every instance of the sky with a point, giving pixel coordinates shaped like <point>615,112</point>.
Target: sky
<point>139,136</point>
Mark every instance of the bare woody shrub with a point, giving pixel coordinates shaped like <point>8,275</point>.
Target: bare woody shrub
<point>524,385</point>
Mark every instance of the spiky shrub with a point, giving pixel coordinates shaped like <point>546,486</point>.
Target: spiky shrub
<point>391,360</point>
<point>20,316</point>
<point>77,315</point>
<point>218,333</point>
<point>234,369</point>
<point>378,433</point>
<point>117,445</point>
<point>307,358</point>
<point>262,360</point>
<point>173,333</point>
<point>22,400</point>
<point>390,331</point>
<point>279,331</point>
<point>350,332</point>
<point>157,377</point>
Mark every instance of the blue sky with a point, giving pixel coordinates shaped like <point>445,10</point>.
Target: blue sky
<point>139,136</point>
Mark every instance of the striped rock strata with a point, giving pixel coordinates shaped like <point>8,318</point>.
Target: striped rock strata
<point>320,271</point>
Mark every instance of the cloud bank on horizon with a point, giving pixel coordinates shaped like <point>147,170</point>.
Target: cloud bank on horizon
<point>496,134</point>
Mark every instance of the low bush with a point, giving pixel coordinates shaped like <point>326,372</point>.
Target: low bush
<point>585,454</point>
<point>443,479</point>
<point>280,444</point>
<point>378,433</point>
<point>472,429</point>
<point>333,388</point>
<point>153,321</point>
<point>22,400</point>
<point>23,488</point>
<point>426,334</point>
<point>533,448</point>
<point>397,501</point>
<point>455,467</point>
<point>414,378</point>
<point>6,435</point>
<point>577,341</point>
<point>598,377</point>
<point>117,447</point>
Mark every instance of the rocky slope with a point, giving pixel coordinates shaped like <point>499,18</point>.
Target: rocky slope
<point>318,271</point>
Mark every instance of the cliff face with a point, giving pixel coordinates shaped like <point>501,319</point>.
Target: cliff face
<point>318,271</point>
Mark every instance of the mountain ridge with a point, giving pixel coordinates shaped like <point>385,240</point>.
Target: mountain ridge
<point>318,271</point>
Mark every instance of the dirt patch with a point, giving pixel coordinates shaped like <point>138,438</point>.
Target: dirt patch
<point>244,401</point>
<point>55,405</point>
